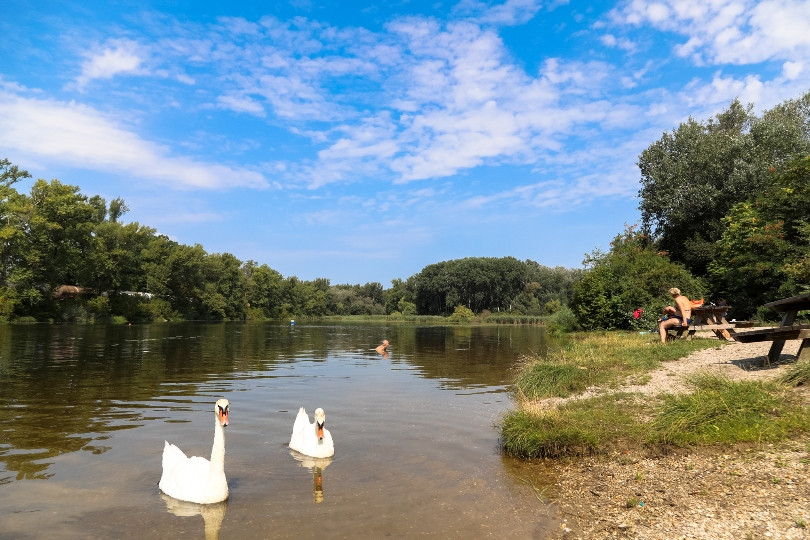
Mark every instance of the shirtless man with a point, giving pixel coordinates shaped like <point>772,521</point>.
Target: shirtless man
<point>679,315</point>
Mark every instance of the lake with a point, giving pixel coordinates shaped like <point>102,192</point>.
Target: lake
<point>88,407</point>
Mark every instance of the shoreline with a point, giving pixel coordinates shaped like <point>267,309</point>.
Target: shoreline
<point>717,492</point>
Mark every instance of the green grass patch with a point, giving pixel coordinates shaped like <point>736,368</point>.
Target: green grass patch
<point>547,379</point>
<point>719,411</point>
<point>728,412</point>
<point>602,359</point>
<point>580,428</point>
<point>797,375</point>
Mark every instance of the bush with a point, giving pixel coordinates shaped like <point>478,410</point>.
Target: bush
<point>632,275</point>
<point>462,314</point>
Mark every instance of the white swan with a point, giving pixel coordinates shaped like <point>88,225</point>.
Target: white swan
<point>195,479</point>
<point>312,439</point>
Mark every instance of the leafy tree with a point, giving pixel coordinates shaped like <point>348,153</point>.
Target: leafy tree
<point>693,176</point>
<point>11,237</point>
<point>476,282</point>
<point>764,252</point>
<point>263,290</point>
<point>224,292</point>
<point>398,292</point>
<point>114,261</point>
<point>634,274</point>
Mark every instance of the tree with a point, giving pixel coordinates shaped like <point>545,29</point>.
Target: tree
<point>764,251</point>
<point>11,237</point>
<point>115,259</point>
<point>634,274</point>
<point>693,176</point>
<point>476,282</point>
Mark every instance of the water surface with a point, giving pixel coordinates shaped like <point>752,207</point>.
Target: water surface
<point>87,408</point>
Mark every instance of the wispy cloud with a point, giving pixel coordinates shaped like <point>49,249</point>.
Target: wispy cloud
<point>118,56</point>
<point>728,31</point>
<point>81,136</point>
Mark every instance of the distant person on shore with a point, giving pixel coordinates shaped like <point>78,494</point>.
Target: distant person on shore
<point>382,348</point>
<point>678,315</point>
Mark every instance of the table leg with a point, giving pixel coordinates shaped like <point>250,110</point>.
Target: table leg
<point>725,334</point>
<point>804,350</point>
<point>779,344</point>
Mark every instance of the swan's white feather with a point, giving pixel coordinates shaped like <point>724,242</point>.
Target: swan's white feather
<point>304,438</point>
<point>193,479</point>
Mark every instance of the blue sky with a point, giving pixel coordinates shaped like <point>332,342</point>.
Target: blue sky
<point>361,141</point>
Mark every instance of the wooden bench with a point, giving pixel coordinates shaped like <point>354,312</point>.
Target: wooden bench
<point>779,334</point>
<point>708,318</point>
<point>789,308</point>
<point>692,328</point>
<point>799,331</point>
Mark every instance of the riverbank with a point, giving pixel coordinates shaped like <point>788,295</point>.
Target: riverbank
<point>745,491</point>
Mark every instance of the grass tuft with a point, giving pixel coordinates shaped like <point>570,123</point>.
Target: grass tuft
<point>797,375</point>
<point>728,412</point>
<point>719,411</point>
<point>579,428</point>
<point>601,359</point>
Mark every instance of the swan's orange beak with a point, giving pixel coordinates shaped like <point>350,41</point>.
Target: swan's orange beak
<point>320,432</point>
<point>223,417</point>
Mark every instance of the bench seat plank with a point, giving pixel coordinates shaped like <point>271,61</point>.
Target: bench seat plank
<point>700,327</point>
<point>801,331</point>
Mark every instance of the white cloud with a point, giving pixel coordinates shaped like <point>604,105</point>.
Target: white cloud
<point>81,136</point>
<point>728,31</point>
<point>241,104</point>
<point>791,70</point>
<point>511,12</point>
<point>117,57</point>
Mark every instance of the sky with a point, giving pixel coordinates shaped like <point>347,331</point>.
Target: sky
<point>361,141</point>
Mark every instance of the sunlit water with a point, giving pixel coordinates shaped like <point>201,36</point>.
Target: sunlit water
<point>86,410</point>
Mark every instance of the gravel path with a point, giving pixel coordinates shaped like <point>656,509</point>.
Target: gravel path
<point>737,361</point>
<point>755,492</point>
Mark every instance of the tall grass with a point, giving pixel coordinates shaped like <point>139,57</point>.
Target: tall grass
<point>602,359</point>
<point>579,428</point>
<point>724,411</point>
<point>510,318</point>
<point>797,375</point>
<point>718,411</point>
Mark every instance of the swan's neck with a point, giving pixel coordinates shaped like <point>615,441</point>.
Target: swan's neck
<point>216,488</point>
<point>218,450</point>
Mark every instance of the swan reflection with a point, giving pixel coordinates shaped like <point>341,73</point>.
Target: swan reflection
<point>316,465</point>
<point>212,514</point>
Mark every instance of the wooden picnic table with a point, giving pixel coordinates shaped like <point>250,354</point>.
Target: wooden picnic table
<point>789,308</point>
<point>709,318</point>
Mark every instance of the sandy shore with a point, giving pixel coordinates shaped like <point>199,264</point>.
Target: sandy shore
<point>761,491</point>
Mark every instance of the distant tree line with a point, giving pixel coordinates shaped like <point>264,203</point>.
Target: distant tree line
<point>56,236</point>
<point>724,216</point>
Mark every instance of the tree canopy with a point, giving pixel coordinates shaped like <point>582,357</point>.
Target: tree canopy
<point>693,176</point>
<point>55,236</point>
<point>632,275</point>
<point>764,252</point>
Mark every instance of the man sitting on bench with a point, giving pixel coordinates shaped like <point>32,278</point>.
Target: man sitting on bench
<point>679,315</point>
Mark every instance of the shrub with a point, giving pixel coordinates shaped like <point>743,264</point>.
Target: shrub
<point>561,321</point>
<point>462,314</point>
<point>632,275</point>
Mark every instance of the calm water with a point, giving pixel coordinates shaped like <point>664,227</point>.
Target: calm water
<point>86,410</point>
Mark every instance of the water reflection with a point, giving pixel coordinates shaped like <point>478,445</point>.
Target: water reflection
<point>212,514</point>
<point>88,409</point>
<point>316,466</point>
<point>71,385</point>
